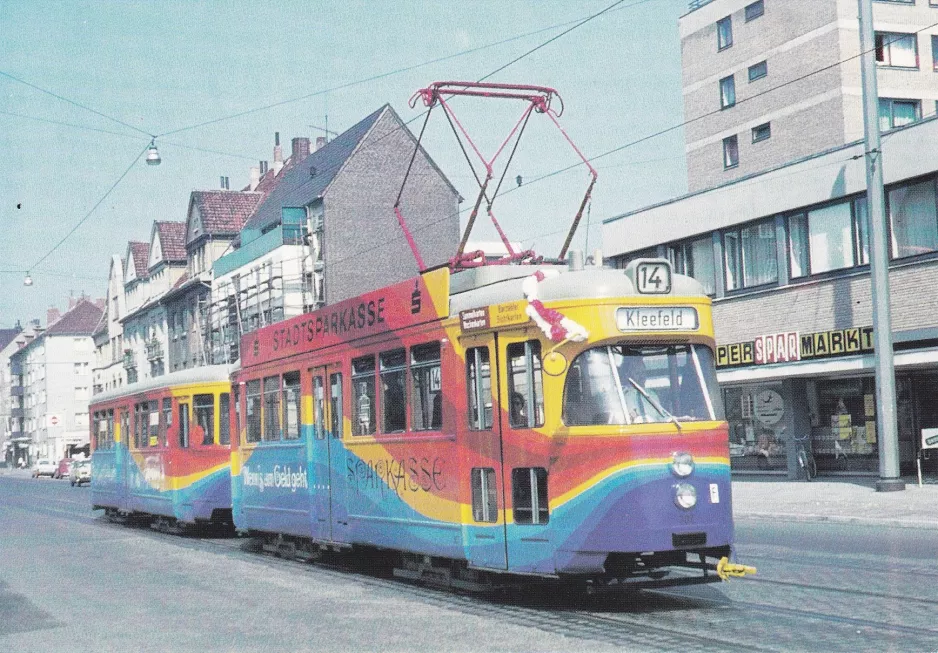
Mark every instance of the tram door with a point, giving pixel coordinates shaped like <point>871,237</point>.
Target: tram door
<point>527,452</point>
<point>484,534</point>
<point>327,482</point>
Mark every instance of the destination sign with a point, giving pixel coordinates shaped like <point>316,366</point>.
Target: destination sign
<point>395,307</point>
<point>657,318</point>
<point>493,317</point>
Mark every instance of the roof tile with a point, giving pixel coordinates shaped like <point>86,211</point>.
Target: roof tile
<point>141,255</point>
<point>173,240</point>
<point>225,211</point>
<point>80,321</point>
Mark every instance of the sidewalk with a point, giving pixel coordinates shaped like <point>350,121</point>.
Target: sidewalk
<point>846,500</point>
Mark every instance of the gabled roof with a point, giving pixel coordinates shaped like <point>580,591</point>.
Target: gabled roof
<point>327,161</point>
<point>172,239</point>
<point>140,252</point>
<point>7,336</point>
<point>222,211</point>
<point>80,321</point>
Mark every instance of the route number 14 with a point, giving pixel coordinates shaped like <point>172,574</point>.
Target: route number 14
<point>653,278</point>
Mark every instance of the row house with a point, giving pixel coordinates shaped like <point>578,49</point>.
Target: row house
<point>147,281</point>
<point>327,231</point>
<point>109,372</point>
<point>51,383</point>
<point>7,347</point>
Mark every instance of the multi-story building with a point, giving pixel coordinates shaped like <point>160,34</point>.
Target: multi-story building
<point>328,231</point>
<point>109,371</point>
<point>52,378</point>
<point>734,52</point>
<point>144,325</point>
<point>780,238</point>
<point>7,347</point>
<point>19,440</point>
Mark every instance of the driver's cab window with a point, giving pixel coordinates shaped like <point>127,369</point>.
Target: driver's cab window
<point>525,386</point>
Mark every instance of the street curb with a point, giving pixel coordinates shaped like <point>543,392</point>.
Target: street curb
<point>836,519</point>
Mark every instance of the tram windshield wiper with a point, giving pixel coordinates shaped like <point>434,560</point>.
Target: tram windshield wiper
<point>655,404</point>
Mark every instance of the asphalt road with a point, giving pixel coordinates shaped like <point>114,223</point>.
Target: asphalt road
<point>71,581</point>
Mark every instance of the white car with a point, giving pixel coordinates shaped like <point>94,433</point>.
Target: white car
<point>44,467</point>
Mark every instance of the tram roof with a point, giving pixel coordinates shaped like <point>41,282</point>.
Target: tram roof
<point>205,374</point>
<point>484,286</point>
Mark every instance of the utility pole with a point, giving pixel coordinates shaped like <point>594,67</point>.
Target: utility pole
<point>886,430</point>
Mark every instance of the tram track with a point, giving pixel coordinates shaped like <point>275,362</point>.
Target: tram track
<point>651,620</point>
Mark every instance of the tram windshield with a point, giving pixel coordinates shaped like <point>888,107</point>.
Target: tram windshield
<point>625,384</point>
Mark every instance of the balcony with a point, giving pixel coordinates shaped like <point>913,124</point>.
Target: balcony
<point>17,391</point>
<point>154,350</point>
<point>16,413</point>
<point>129,362</point>
<point>16,367</point>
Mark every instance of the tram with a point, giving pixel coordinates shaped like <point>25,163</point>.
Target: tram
<point>161,449</point>
<point>547,420</point>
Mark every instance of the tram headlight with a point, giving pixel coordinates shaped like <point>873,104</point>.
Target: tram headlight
<point>682,464</point>
<point>685,496</point>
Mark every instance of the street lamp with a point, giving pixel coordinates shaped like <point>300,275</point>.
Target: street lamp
<point>153,154</point>
<point>28,281</point>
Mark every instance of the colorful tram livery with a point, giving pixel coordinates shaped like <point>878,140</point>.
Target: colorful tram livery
<point>161,448</point>
<point>546,420</point>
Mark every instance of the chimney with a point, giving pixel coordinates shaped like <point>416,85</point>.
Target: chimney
<point>53,315</point>
<point>224,183</point>
<point>300,148</point>
<point>320,142</point>
<point>264,168</point>
<point>72,302</point>
<point>278,154</point>
<point>255,177</point>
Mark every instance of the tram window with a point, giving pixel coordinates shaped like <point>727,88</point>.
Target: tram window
<point>427,397</point>
<point>203,407</point>
<point>319,408</point>
<point>236,389</point>
<point>291,406</point>
<point>479,388</point>
<point>125,426</point>
<point>254,399</point>
<point>271,409</point>
<point>224,418</point>
<point>167,422</point>
<point>525,386</point>
<point>153,419</point>
<point>529,495</point>
<point>335,381</point>
<point>139,426</point>
<point>394,392</point>
<point>363,398</point>
<point>184,425</point>
<point>484,495</point>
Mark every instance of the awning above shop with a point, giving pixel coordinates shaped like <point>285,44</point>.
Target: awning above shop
<point>845,366</point>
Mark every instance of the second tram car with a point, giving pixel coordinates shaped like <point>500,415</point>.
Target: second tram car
<point>161,448</point>
<point>546,420</point>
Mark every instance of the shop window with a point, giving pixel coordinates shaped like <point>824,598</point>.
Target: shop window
<point>757,429</point>
<point>426,387</point>
<point>695,259</point>
<point>203,407</point>
<point>484,495</point>
<point>394,392</point>
<point>913,220</point>
<point>253,410</point>
<point>291,406</point>
<point>479,388</point>
<point>525,387</point>
<point>822,240</point>
<point>529,495</point>
<point>363,396</point>
<point>843,418</point>
<point>750,255</point>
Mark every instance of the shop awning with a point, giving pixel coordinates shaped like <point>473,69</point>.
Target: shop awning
<point>846,366</point>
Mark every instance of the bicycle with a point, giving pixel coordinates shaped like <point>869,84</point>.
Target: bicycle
<point>807,467</point>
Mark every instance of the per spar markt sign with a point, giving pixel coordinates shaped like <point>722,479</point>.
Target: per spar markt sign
<point>793,346</point>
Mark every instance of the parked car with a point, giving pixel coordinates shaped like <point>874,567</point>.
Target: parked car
<point>62,469</point>
<point>81,472</point>
<point>44,467</point>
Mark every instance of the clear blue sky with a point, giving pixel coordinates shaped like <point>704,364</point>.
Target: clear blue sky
<point>162,65</point>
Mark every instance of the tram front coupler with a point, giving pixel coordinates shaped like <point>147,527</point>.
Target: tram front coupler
<point>726,569</point>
